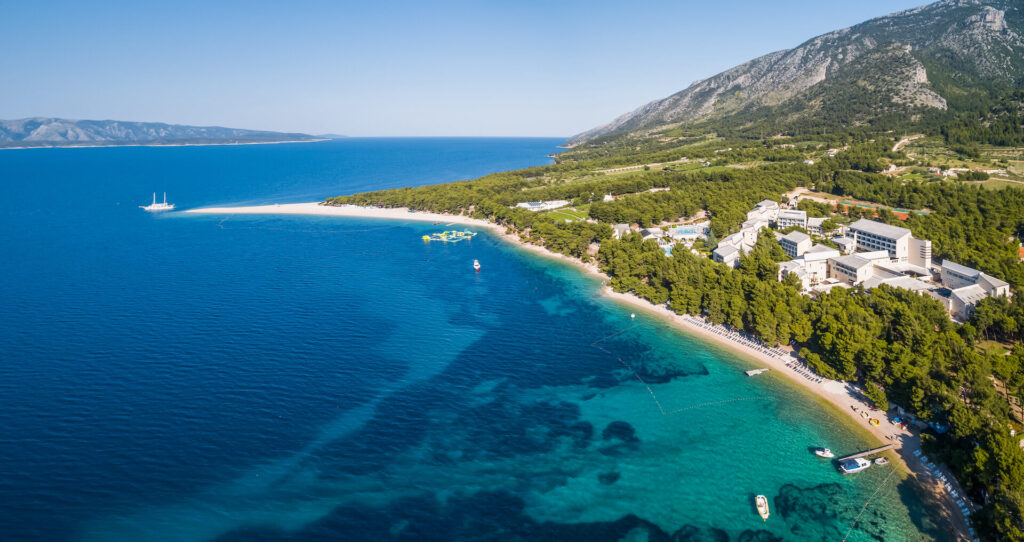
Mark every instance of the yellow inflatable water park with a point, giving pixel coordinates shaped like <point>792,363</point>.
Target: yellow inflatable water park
<point>452,236</point>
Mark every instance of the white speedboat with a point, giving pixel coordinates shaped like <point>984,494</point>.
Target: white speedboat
<point>762,506</point>
<point>158,207</point>
<point>476,264</point>
<point>824,452</point>
<point>850,466</point>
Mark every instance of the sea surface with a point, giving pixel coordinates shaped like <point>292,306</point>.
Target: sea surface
<point>239,378</point>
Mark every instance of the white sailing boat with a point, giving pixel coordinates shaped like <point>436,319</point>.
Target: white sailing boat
<point>158,207</point>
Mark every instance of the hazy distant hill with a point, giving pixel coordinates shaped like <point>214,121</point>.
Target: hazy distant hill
<point>950,54</point>
<point>51,132</point>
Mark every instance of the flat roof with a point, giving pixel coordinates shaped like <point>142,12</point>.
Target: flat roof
<point>992,281</point>
<point>726,250</point>
<point>905,268</point>
<point>792,213</point>
<point>962,269</point>
<point>969,295</point>
<point>818,247</point>
<point>815,220</point>
<point>853,261</point>
<point>796,237</point>
<point>879,228</point>
<point>904,282</point>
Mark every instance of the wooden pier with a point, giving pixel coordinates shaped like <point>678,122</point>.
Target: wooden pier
<point>869,452</point>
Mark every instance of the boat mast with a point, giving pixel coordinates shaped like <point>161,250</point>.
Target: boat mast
<point>154,198</point>
<point>165,198</point>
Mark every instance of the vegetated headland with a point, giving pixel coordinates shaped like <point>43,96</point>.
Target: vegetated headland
<point>863,222</point>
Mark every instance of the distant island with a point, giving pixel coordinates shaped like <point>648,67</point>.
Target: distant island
<point>54,132</point>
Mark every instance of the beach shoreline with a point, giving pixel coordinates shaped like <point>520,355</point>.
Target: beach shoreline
<point>842,396</point>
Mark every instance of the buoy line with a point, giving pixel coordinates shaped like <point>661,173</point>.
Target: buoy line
<point>654,396</point>
<point>866,503</point>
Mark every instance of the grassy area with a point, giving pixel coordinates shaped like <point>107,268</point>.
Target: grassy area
<point>1003,153</point>
<point>997,184</point>
<point>570,213</point>
<point>993,347</point>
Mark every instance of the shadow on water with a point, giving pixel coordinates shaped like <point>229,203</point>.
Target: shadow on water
<point>918,501</point>
<point>484,516</point>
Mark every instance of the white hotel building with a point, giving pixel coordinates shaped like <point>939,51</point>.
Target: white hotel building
<point>870,236</point>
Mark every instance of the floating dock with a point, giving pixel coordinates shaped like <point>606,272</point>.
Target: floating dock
<point>450,236</point>
<point>869,452</point>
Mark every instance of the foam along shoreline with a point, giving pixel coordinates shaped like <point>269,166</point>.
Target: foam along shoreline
<point>842,396</point>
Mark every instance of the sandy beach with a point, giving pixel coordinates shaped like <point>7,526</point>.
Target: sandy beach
<point>781,361</point>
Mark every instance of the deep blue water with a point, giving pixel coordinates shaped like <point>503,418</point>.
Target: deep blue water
<point>183,377</point>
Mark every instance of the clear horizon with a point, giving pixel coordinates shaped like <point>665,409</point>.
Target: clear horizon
<point>393,69</point>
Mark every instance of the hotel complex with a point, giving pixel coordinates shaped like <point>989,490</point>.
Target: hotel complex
<point>870,254</point>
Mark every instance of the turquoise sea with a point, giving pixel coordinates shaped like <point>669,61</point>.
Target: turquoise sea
<point>230,378</point>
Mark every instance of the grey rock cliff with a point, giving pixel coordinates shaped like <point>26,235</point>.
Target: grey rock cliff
<point>979,39</point>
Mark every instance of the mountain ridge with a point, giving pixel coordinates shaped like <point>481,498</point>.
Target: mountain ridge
<point>969,44</point>
<point>59,132</point>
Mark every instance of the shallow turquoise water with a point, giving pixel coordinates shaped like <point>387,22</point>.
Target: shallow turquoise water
<point>308,378</point>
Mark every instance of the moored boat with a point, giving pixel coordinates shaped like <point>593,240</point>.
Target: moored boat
<point>762,506</point>
<point>823,452</point>
<point>881,460</point>
<point>850,466</point>
<point>476,264</point>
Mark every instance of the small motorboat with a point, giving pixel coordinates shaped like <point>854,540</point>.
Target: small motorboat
<point>824,452</point>
<point>762,506</point>
<point>476,264</point>
<point>881,460</point>
<point>850,466</point>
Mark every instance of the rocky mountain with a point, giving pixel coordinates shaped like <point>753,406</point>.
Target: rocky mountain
<point>929,58</point>
<point>51,132</point>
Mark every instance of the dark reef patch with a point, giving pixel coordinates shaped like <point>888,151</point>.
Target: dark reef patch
<point>758,536</point>
<point>690,533</point>
<point>664,373</point>
<point>608,478</point>
<point>483,516</point>
<point>619,430</point>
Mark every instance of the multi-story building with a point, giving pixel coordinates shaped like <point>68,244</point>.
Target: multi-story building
<point>791,217</point>
<point>851,269</point>
<point>816,261</point>
<point>956,276</point>
<point>795,243</point>
<point>870,235</point>
<point>814,225</point>
<point>726,254</point>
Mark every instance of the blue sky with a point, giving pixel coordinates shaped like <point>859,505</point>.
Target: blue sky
<point>384,68</point>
